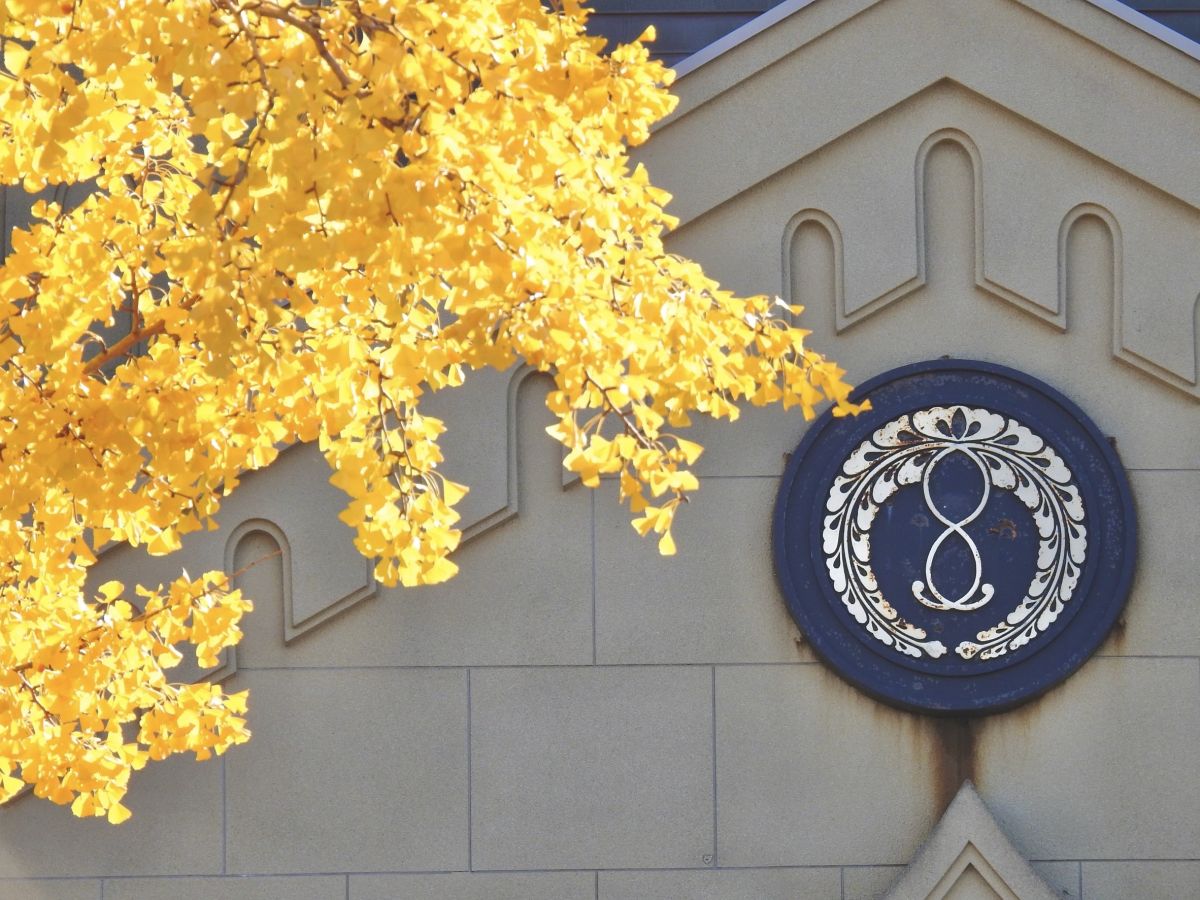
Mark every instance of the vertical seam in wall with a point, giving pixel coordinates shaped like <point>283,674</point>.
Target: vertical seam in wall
<point>842,881</point>
<point>715,861</point>
<point>470,796</point>
<point>597,873</point>
<point>347,886</point>
<point>1080,864</point>
<point>593,531</point>
<point>224,821</point>
<point>102,889</point>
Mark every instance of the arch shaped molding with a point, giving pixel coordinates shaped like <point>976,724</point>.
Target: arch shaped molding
<point>294,504</point>
<point>1023,217</point>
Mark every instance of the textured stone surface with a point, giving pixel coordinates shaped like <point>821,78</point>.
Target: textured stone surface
<point>175,829</point>
<point>728,449</point>
<point>326,571</point>
<point>50,889</point>
<point>282,887</point>
<point>1161,616</point>
<point>766,884</point>
<point>810,772</point>
<point>1125,879</point>
<point>849,85</point>
<point>869,882</point>
<point>655,609</point>
<point>1104,766</point>
<point>591,768</point>
<point>1061,877</point>
<point>350,770</point>
<point>462,886</point>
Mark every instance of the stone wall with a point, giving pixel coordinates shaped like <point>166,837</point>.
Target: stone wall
<point>577,718</point>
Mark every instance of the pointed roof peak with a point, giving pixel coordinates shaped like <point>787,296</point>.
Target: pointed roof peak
<point>968,855</point>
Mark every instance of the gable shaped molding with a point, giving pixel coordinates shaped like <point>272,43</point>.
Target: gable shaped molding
<point>970,859</point>
<point>1091,28</point>
<point>1071,44</point>
<point>1053,311</point>
<point>968,838</point>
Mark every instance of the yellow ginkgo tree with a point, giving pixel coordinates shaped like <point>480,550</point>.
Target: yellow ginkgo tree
<point>307,215</point>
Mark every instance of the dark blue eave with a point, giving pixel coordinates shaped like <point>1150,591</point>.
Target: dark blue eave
<point>686,26</point>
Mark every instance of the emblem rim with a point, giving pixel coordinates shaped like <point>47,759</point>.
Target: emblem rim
<point>813,602</point>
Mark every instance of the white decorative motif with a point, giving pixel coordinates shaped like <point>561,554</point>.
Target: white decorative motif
<point>1010,457</point>
<point>969,600</point>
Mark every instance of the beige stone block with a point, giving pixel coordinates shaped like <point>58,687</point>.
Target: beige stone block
<point>1124,879</point>
<point>1060,877</point>
<point>470,886</point>
<point>1104,766</point>
<point>175,829</point>
<point>579,768</point>
<point>758,443</point>
<point>283,887</point>
<point>869,882</point>
<point>350,770</point>
<point>811,772</point>
<point>50,889</point>
<point>716,600</point>
<point>1160,619</point>
<point>765,884</point>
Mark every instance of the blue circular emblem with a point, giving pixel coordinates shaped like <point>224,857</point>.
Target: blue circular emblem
<point>962,546</point>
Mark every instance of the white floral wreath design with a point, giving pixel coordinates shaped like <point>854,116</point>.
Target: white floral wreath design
<point>904,452</point>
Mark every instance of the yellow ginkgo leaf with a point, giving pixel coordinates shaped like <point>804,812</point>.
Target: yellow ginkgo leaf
<point>268,244</point>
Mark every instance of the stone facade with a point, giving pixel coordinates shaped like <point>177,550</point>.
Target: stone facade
<point>576,718</point>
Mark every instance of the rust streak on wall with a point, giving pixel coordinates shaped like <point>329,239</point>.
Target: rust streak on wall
<point>953,751</point>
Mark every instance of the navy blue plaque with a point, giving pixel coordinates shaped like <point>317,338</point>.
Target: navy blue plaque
<point>961,547</point>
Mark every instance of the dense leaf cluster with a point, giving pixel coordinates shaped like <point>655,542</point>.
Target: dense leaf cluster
<point>310,215</point>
